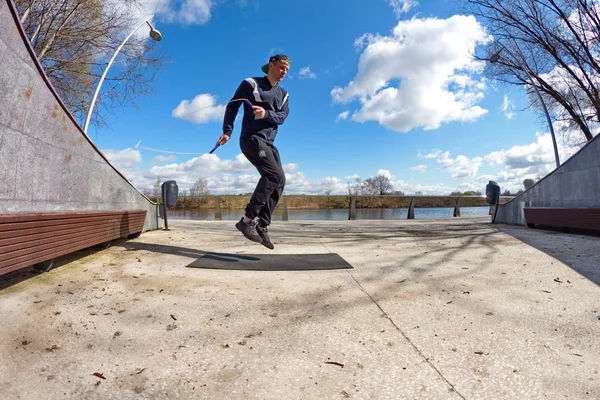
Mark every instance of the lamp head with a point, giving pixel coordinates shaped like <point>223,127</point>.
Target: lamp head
<point>154,33</point>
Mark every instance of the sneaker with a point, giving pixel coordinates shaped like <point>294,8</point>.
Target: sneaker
<point>264,234</point>
<point>248,229</point>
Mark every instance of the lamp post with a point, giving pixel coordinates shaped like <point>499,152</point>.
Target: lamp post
<point>494,58</point>
<point>154,34</point>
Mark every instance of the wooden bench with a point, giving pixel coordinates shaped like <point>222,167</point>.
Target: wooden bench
<point>28,239</point>
<point>587,218</point>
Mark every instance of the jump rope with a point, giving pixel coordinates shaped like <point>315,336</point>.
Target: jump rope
<point>137,146</point>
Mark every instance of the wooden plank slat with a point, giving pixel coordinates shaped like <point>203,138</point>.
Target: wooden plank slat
<point>8,237</point>
<point>12,225</point>
<point>42,216</point>
<point>30,238</point>
<point>34,258</point>
<point>579,218</point>
<point>115,229</point>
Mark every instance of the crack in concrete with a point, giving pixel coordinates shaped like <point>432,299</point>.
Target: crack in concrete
<point>419,352</point>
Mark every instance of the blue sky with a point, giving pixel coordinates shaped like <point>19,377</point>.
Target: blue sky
<point>376,87</point>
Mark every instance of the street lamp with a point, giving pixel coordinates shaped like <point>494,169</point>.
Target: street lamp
<point>494,58</point>
<point>154,34</point>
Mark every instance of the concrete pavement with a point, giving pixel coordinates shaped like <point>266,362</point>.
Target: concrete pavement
<point>433,309</point>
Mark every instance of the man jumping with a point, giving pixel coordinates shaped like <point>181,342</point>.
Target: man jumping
<point>259,128</point>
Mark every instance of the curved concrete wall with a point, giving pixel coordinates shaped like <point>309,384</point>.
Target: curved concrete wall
<point>47,162</point>
<point>576,183</point>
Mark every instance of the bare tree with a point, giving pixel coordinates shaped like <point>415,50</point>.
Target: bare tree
<point>200,188</point>
<point>157,187</point>
<point>527,183</point>
<point>380,185</point>
<point>556,42</point>
<point>354,187</point>
<point>74,39</point>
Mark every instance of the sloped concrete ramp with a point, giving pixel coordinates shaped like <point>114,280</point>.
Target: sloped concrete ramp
<point>48,163</point>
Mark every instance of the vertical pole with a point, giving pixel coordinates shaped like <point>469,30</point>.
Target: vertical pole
<point>218,216</point>
<point>496,206</point>
<point>550,127</point>
<point>457,208</point>
<point>352,215</point>
<point>164,201</point>
<point>284,215</point>
<point>411,209</point>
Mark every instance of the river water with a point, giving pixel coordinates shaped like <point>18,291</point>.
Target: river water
<point>336,214</point>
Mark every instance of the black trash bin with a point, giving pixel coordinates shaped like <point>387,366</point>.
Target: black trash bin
<point>492,193</point>
<point>170,191</point>
<point>492,197</point>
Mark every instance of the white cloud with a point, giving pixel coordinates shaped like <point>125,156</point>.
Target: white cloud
<point>235,176</point>
<point>299,183</point>
<point>422,75</point>
<point>536,154</point>
<point>163,159</point>
<point>402,6</point>
<point>291,167</point>
<point>122,159</point>
<point>508,107</point>
<point>460,167</point>
<point>435,154</point>
<point>385,173</point>
<point>342,116</point>
<point>306,73</point>
<point>200,110</point>
<point>125,161</point>
<point>184,12</point>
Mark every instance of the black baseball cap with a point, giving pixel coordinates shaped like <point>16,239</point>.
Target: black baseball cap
<point>276,57</point>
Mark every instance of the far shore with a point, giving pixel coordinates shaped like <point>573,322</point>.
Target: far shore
<point>330,202</point>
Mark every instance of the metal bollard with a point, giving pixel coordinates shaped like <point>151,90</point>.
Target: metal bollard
<point>352,215</point>
<point>457,208</point>
<point>411,209</point>
<point>218,216</point>
<point>284,215</point>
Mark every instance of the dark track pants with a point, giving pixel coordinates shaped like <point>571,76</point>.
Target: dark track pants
<point>265,158</point>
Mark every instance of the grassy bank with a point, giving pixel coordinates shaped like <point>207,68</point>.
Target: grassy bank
<point>328,202</point>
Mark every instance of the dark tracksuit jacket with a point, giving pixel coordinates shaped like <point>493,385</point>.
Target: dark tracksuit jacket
<point>256,141</point>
